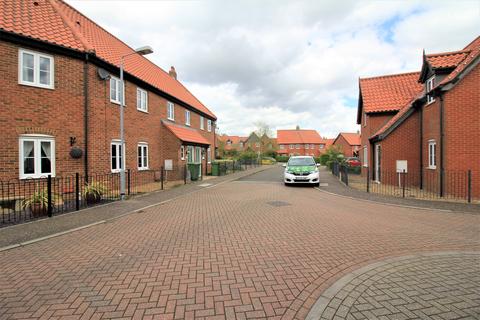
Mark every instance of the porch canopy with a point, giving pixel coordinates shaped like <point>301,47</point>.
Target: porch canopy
<point>186,134</point>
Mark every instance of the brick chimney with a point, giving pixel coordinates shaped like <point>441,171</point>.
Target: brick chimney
<point>173,73</point>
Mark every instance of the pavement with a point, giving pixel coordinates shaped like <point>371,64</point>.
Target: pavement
<point>252,249</point>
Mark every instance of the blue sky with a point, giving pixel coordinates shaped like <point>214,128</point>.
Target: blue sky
<point>286,63</point>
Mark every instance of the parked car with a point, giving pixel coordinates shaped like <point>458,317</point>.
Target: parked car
<point>301,169</point>
<point>353,162</point>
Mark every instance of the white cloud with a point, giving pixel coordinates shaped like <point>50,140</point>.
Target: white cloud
<point>289,62</point>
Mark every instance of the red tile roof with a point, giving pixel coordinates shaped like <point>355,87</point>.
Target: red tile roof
<point>352,138</point>
<point>298,136</point>
<point>186,134</point>
<point>446,60</point>
<point>388,93</point>
<point>58,23</point>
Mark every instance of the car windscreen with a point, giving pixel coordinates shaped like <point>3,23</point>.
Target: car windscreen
<point>301,162</point>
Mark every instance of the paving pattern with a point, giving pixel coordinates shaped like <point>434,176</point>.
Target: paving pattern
<point>221,253</point>
<point>438,286</point>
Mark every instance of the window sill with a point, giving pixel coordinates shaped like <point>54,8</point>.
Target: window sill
<point>432,168</point>
<point>143,169</point>
<point>43,176</point>
<point>117,103</point>
<point>144,111</point>
<point>35,85</point>
<point>429,103</point>
<point>171,119</point>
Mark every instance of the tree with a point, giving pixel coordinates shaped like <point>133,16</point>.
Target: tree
<point>262,128</point>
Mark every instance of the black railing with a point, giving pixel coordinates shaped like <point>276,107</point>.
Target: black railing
<point>224,167</point>
<point>453,185</point>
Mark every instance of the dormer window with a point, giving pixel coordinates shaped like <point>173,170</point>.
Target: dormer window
<point>430,84</point>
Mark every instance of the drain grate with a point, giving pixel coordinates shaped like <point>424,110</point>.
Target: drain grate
<point>278,203</point>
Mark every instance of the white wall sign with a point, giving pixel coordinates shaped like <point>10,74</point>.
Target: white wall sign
<point>169,165</point>
<point>402,165</point>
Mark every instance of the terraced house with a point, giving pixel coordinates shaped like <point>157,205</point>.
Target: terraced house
<point>426,123</point>
<point>61,94</point>
<point>301,142</point>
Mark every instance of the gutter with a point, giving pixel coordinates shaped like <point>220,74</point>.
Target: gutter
<point>85,113</point>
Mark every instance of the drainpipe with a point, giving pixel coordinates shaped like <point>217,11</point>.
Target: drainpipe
<point>85,116</point>
<point>421,147</point>
<point>442,133</point>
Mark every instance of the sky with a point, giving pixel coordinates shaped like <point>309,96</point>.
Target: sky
<point>286,63</point>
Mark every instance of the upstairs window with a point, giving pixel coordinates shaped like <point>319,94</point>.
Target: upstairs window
<point>116,94</point>
<point>170,111</point>
<point>292,146</point>
<point>35,69</point>
<point>432,158</point>
<point>142,156</point>
<point>430,84</point>
<point>282,146</point>
<point>209,125</point>
<point>187,117</point>
<point>297,146</point>
<point>307,146</point>
<point>142,100</point>
<point>37,156</point>
<point>322,146</point>
<point>202,123</point>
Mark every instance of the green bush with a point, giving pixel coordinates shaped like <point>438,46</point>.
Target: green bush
<point>323,159</point>
<point>248,155</point>
<point>281,158</point>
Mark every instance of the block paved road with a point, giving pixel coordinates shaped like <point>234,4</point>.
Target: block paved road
<point>247,249</point>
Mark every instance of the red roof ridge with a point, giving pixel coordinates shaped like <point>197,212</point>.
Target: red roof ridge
<point>472,42</point>
<point>448,53</point>
<point>87,46</point>
<point>390,75</point>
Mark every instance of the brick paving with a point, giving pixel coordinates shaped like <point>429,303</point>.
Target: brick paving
<point>442,286</point>
<point>227,252</point>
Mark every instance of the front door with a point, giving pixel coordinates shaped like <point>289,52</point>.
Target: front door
<point>198,158</point>
<point>378,162</point>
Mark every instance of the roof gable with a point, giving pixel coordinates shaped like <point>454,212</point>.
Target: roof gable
<point>387,93</point>
<point>352,138</point>
<point>58,23</point>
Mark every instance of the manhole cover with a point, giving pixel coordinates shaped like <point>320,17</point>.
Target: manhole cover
<point>278,203</point>
<point>205,185</point>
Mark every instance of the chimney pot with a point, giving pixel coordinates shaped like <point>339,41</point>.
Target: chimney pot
<point>172,73</point>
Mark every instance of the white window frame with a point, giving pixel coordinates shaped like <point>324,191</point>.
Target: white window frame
<point>118,162</point>
<point>170,111</point>
<point>365,156</point>
<point>282,146</point>
<point>187,117</point>
<point>321,146</point>
<point>292,146</point>
<point>202,123</point>
<point>429,87</point>
<point>37,140</point>
<point>432,156</point>
<point>118,85</point>
<point>297,146</point>
<point>142,100</point>
<point>209,125</point>
<point>144,148</point>
<point>36,69</point>
<point>182,152</point>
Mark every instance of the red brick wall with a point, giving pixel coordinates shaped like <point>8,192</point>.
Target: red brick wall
<point>401,144</point>
<point>374,122</point>
<point>59,112</point>
<point>462,132</point>
<point>26,109</point>
<point>301,151</point>
<point>344,146</point>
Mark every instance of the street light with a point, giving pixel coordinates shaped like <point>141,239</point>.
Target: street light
<point>141,51</point>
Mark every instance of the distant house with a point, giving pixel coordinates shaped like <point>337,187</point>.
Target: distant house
<point>348,143</point>
<point>301,142</point>
<point>433,122</point>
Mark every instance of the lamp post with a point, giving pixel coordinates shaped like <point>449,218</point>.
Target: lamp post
<point>141,51</point>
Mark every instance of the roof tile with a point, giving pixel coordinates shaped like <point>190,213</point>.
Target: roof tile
<point>298,136</point>
<point>186,134</point>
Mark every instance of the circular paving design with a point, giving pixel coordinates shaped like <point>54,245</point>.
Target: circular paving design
<point>428,286</point>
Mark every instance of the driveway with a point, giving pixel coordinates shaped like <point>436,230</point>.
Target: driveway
<point>247,249</point>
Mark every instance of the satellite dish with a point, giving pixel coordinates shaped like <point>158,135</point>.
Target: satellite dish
<point>103,74</point>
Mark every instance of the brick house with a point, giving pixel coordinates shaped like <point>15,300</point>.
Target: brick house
<point>226,143</point>
<point>300,142</point>
<point>60,96</point>
<point>348,143</point>
<point>436,132</point>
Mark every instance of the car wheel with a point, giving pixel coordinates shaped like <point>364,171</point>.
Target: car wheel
<point>286,184</point>
<point>316,185</point>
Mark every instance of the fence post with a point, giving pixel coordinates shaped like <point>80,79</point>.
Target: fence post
<point>346,175</point>
<point>128,181</point>
<point>368,179</point>
<point>469,186</point>
<point>161,176</point>
<point>403,184</point>
<point>233,166</point>
<point>49,195</point>
<point>77,191</point>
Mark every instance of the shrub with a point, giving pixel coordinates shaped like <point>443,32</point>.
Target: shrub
<point>248,155</point>
<point>282,158</point>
